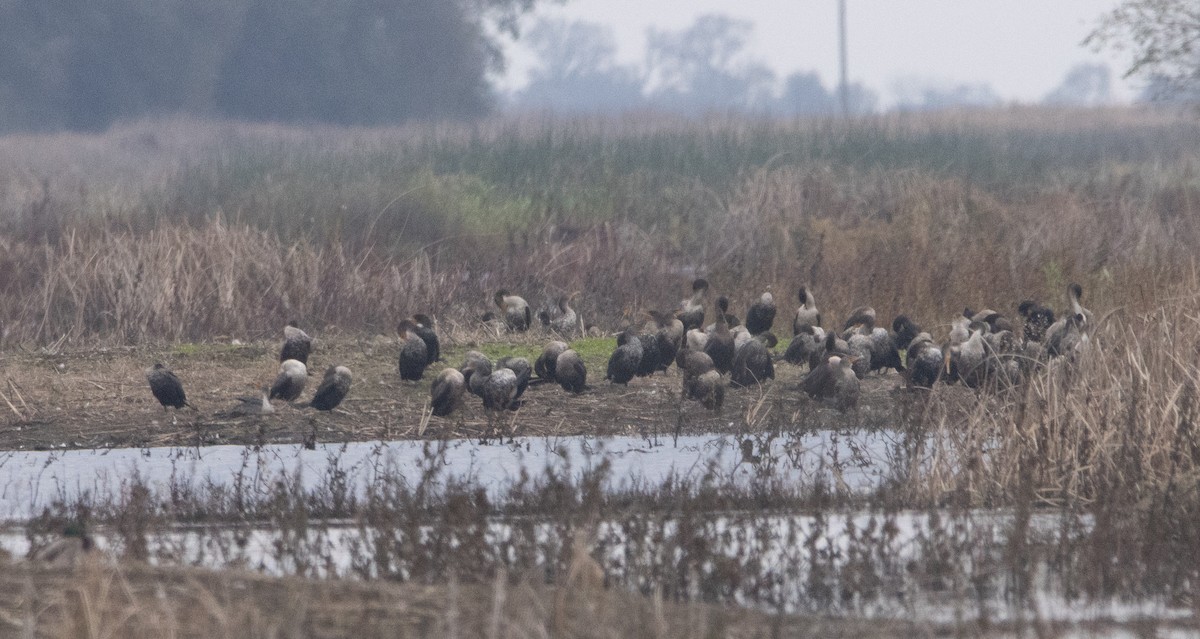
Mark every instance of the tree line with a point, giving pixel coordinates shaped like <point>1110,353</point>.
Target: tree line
<point>83,64</point>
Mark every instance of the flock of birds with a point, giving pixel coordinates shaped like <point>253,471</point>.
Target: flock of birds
<point>983,348</point>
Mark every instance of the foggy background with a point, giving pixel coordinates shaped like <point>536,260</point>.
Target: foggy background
<point>82,65</point>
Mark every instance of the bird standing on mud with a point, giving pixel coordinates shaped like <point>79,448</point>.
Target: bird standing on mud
<point>570,371</point>
<point>293,376</point>
<point>446,391</point>
<point>296,344</point>
<point>761,316</point>
<point>414,355</point>
<point>426,331</point>
<point>514,308</point>
<point>546,363</point>
<point>807,315</point>
<point>701,380</point>
<point>167,388</point>
<point>333,388</point>
<point>752,362</point>
<point>833,382</point>
<point>623,364</point>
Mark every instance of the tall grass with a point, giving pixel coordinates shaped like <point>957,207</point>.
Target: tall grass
<point>187,230</point>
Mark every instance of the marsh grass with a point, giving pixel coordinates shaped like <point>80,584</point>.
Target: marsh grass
<point>181,230</point>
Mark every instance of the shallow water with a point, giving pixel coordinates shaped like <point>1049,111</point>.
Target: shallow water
<point>29,481</point>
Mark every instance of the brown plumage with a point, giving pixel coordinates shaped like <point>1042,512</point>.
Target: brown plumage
<point>514,309</point>
<point>833,383</point>
<point>570,371</point>
<point>446,391</point>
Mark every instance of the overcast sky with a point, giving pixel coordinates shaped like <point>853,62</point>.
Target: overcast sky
<point>1021,48</point>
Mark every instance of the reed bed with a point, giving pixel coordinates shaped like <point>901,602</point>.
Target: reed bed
<point>191,230</point>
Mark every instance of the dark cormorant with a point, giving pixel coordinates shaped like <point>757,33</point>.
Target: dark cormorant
<point>925,362</point>
<point>809,340</point>
<point>520,368</point>
<point>833,345</point>
<point>167,388</point>
<point>414,356</point>
<point>807,314</point>
<point>333,388</point>
<point>863,315</point>
<point>516,311</point>
<point>426,331</point>
<point>752,362</point>
<point>296,344</point>
<point>761,315</point>
<point>570,371</point>
<point>669,335</point>
<point>652,360</point>
<point>290,382</point>
<point>691,310</point>
<point>731,320</point>
<point>545,363</point>
<point>701,380</point>
<point>965,360</point>
<point>623,364</point>
<point>446,391</point>
<point>833,382</point>
<point>1038,318</point>
<point>904,331</point>
<point>720,346</point>
<point>497,388</point>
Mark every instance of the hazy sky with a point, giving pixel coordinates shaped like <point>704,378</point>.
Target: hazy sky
<point>1021,48</point>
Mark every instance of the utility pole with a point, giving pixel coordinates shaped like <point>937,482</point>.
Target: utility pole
<point>844,84</point>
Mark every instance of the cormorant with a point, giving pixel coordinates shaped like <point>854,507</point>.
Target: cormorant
<point>570,371</point>
<point>723,313</point>
<point>1070,333</point>
<point>446,391</point>
<point>904,331</point>
<point>807,314</point>
<point>333,388</point>
<point>965,361</point>
<point>925,362</point>
<point>860,315</point>
<point>290,382</point>
<point>426,331</point>
<point>751,360</point>
<point>809,340</point>
<point>516,311</point>
<point>521,368</point>
<point>624,362</point>
<point>497,388</point>
<point>670,338</point>
<point>545,364</point>
<point>1038,318</point>
<point>652,360</point>
<point>567,321</point>
<point>761,315</point>
<point>720,346</point>
<point>833,382</point>
<point>701,380</point>
<point>414,356</point>
<point>296,344</point>
<point>833,345</point>
<point>167,388</point>
<point>691,310</point>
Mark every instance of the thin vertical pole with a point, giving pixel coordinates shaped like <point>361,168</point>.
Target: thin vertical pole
<point>844,84</point>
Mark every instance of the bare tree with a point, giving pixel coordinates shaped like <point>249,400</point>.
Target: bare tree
<point>1163,37</point>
